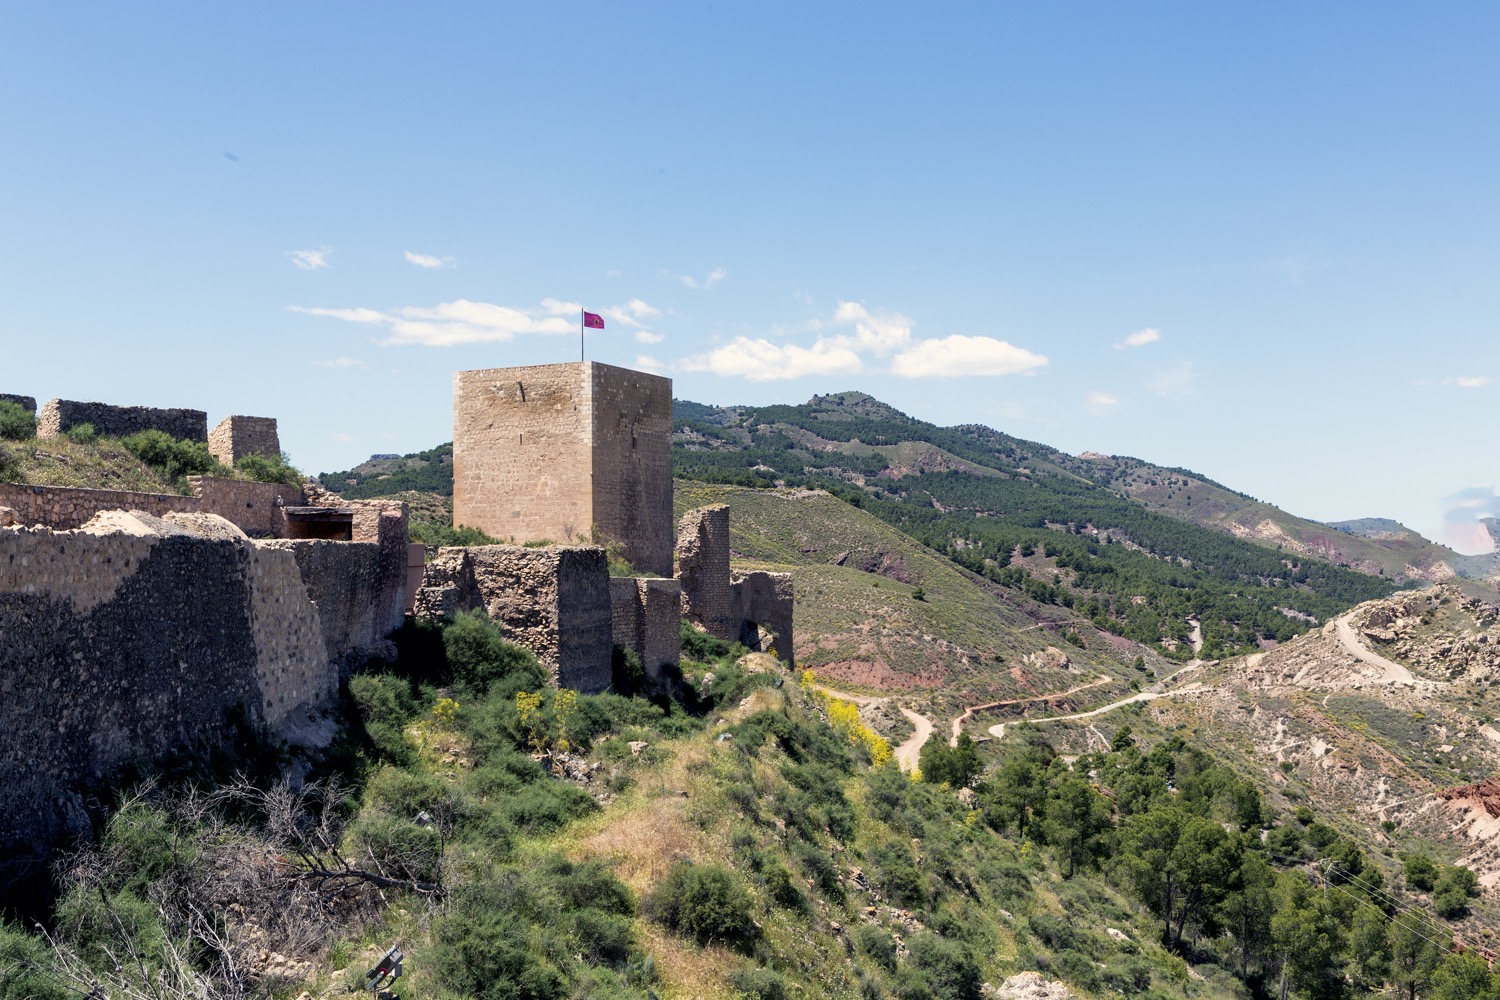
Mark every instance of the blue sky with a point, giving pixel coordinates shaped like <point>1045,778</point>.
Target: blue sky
<point>1258,241</point>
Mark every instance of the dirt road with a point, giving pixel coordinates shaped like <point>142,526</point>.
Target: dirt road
<point>958,723</point>
<point>998,731</point>
<point>908,752</point>
<point>1391,671</point>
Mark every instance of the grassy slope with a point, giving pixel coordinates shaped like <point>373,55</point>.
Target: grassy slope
<point>855,625</point>
<point>100,465</point>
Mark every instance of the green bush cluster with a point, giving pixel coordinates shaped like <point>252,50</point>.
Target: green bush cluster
<point>268,469</point>
<point>172,457</point>
<point>706,903</point>
<point>16,422</point>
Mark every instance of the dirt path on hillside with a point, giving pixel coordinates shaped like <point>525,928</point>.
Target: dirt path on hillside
<point>908,752</point>
<point>1391,671</point>
<point>998,731</point>
<point>958,723</point>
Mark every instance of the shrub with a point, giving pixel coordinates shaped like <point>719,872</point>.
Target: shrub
<point>761,984</point>
<point>1420,871</point>
<point>627,676</point>
<point>16,422</point>
<point>603,939</point>
<point>397,846</point>
<point>81,433</point>
<point>437,533</point>
<point>701,646</point>
<point>705,903</point>
<point>405,794</point>
<point>898,875</point>
<point>943,970</point>
<point>547,806</point>
<point>481,659</point>
<point>24,959</point>
<point>481,951</point>
<point>386,705</point>
<point>169,456</point>
<point>264,469</point>
<point>878,945</point>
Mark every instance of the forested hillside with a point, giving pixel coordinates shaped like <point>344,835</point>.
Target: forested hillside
<point>1022,515</point>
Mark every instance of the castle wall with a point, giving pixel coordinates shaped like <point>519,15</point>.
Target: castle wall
<point>27,403</point>
<point>632,460</point>
<point>59,415</point>
<point>235,437</point>
<point>251,506</point>
<point>762,606</point>
<point>63,507</point>
<point>554,601</point>
<point>521,458</point>
<point>703,570</point>
<point>646,616</point>
<point>341,580</point>
<point>133,637</point>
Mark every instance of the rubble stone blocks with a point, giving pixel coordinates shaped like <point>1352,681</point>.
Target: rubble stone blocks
<point>703,571</point>
<point>235,437</point>
<point>556,452</point>
<point>762,606</point>
<point>646,617</point>
<point>27,403</point>
<point>59,415</point>
<point>553,600</point>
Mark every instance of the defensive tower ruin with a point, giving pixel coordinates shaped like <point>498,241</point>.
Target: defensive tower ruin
<point>557,452</point>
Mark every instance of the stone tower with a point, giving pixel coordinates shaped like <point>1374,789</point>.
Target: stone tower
<point>556,452</point>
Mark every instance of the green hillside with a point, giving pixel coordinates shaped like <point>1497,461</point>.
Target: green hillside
<point>1031,519</point>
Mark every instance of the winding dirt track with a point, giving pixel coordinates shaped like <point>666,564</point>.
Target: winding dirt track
<point>908,752</point>
<point>1391,671</point>
<point>958,722</point>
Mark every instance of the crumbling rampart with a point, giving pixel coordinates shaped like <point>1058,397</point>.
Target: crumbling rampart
<point>763,610</point>
<point>60,415</point>
<point>135,635</point>
<point>703,570</point>
<point>555,601</point>
<point>236,437</point>
<point>646,617</point>
<point>27,403</point>
<point>251,506</point>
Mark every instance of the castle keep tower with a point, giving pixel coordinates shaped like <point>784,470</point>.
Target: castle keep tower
<point>556,451</point>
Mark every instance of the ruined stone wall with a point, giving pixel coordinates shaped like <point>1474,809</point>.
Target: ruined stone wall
<point>27,403</point>
<point>131,637</point>
<point>385,523</point>
<point>555,601</point>
<point>251,506</point>
<point>762,605</point>
<point>64,507</point>
<point>646,616</point>
<point>235,437</point>
<point>58,415</point>
<point>632,460</point>
<point>521,454</point>
<point>342,581</point>
<point>703,570</point>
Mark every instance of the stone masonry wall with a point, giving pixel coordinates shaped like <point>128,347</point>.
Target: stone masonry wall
<point>341,580</point>
<point>65,507</point>
<point>763,607</point>
<point>632,462</point>
<point>521,461</point>
<point>551,452</point>
<point>27,403</point>
<point>646,616</point>
<point>133,636</point>
<point>555,601</point>
<point>235,437</point>
<point>251,506</point>
<point>703,570</point>
<point>58,415</point>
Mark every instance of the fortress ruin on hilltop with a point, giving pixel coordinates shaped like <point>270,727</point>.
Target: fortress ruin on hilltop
<point>136,624</point>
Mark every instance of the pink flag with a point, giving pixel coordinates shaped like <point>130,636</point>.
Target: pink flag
<point>593,321</point>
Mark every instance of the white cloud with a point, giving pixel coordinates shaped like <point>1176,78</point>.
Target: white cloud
<point>878,333</point>
<point>429,261</point>
<point>341,437</point>
<point>759,360</point>
<point>631,313</point>
<point>646,363</point>
<point>948,357</point>
<point>1101,399</point>
<point>340,363</point>
<point>1175,381</point>
<point>708,281</point>
<point>613,272</point>
<point>458,322</point>
<point>1140,338</point>
<point>647,337</point>
<point>310,260</point>
<point>1468,381</point>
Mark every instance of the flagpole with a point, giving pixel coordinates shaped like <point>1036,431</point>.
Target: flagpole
<point>580,333</point>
